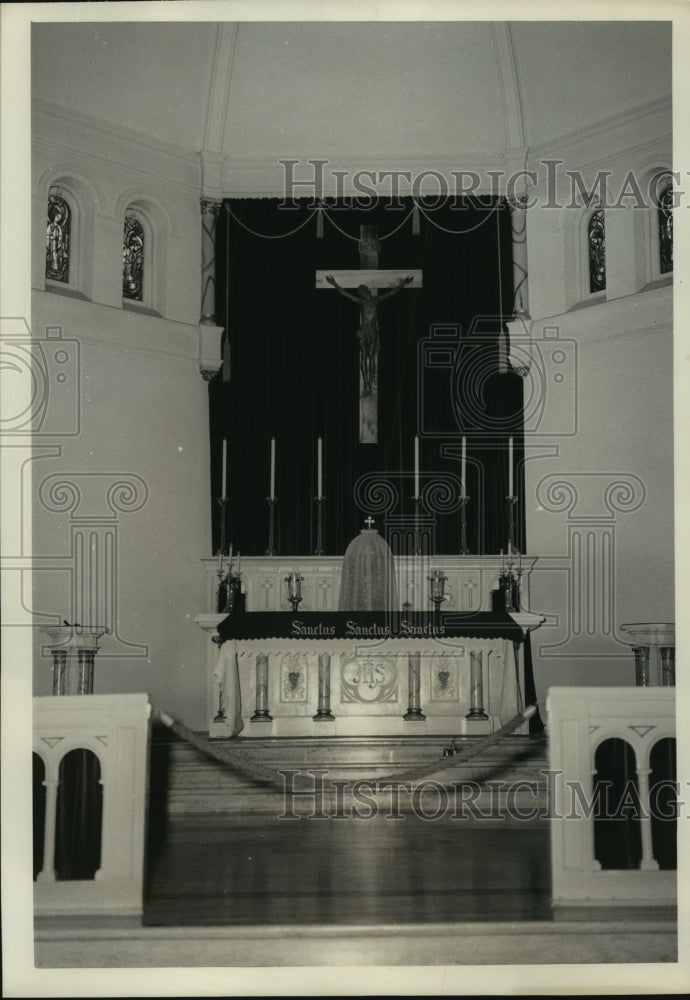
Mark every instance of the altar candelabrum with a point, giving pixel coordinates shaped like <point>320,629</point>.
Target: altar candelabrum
<point>437,581</point>
<point>294,582</point>
<point>509,583</point>
<point>222,591</point>
<point>417,501</point>
<point>222,574</point>
<point>512,503</point>
<point>464,551</point>
<point>319,550</point>
<point>271,549</point>
<point>229,590</point>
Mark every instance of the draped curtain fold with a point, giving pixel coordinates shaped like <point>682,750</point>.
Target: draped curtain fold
<point>294,372</point>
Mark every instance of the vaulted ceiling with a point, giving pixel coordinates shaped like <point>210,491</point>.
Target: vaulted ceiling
<point>268,90</point>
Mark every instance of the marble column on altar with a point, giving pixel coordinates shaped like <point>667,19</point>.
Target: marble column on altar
<point>323,712</point>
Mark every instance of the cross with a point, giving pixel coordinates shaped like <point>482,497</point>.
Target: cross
<point>369,521</point>
<point>368,280</point>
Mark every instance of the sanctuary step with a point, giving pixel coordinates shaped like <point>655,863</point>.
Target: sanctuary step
<point>506,778</point>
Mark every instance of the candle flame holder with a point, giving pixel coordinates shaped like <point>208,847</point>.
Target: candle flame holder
<point>294,582</point>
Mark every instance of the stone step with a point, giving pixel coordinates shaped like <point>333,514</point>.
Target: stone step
<point>506,778</point>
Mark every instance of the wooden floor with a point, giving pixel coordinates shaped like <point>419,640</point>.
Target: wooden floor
<point>245,871</point>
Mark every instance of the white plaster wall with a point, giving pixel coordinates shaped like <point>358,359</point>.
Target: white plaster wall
<point>143,419</point>
<point>624,435</point>
<point>144,414</point>
<point>615,403</point>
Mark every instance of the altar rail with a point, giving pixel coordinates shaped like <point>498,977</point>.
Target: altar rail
<point>112,732</point>
<point>470,581</point>
<point>580,721</point>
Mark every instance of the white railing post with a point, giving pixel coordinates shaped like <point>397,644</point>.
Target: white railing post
<point>47,872</point>
<point>647,862</point>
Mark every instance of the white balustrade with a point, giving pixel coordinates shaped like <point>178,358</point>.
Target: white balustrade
<point>115,728</point>
<point>579,720</point>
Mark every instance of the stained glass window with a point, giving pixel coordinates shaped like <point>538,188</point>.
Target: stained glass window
<point>133,260</point>
<point>58,232</point>
<point>666,230</point>
<point>596,244</point>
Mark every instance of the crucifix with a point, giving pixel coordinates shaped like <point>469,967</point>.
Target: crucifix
<point>367,281</point>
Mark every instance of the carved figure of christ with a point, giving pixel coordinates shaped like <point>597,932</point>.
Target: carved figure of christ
<point>367,281</point>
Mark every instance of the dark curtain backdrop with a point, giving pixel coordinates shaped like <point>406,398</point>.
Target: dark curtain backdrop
<point>295,370</point>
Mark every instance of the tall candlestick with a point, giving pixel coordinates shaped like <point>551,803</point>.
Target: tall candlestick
<point>239,556</point>
<point>510,467</point>
<point>319,456</point>
<point>273,469</point>
<point>416,466</point>
<point>230,561</point>
<point>464,466</point>
<point>225,468</point>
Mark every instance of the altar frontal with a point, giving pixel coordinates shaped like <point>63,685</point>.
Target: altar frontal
<point>369,673</point>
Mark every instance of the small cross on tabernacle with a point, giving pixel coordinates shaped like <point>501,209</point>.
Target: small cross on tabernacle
<point>369,521</point>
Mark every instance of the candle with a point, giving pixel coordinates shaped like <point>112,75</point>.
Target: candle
<point>230,561</point>
<point>273,469</point>
<point>225,468</point>
<point>416,466</point>
<point>510,467</point>
<point>239,556</point>
<point>318,491</point>
<point>464,467</point>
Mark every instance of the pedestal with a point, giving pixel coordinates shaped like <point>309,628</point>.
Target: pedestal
<point>654,648</point>
<point>74,653</point>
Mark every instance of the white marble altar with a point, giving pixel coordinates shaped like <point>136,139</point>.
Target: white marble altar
<point>417,683</point>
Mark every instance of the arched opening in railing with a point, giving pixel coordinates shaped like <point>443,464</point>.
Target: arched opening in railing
<point>617,834</point>
<point>39,810</point>
<point>79,816</point>
<point>663,802</point>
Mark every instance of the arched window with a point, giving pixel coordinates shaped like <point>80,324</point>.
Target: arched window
<point>133,259</point>
<point>596,251</point>
<point>665,224</point>
<point>58,236</point>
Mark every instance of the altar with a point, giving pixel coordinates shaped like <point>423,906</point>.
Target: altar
<point>320,672</point>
